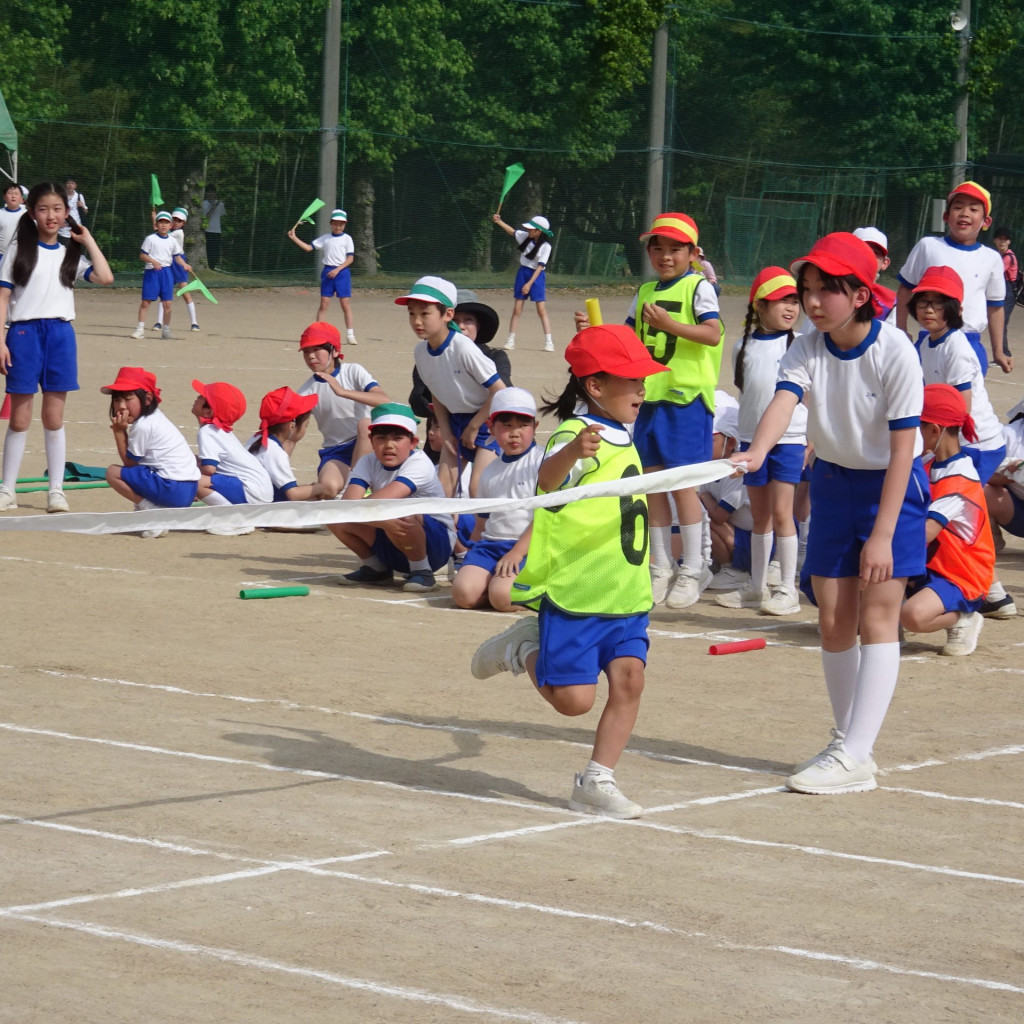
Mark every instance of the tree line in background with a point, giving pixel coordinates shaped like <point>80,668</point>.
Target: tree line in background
<point>437,97</point>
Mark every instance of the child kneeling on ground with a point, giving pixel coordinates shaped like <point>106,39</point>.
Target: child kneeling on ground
<point>417,545</point>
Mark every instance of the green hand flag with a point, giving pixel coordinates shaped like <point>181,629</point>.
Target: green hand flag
<point>197,286</point>
<point>512,174</point>
<point>155,197</point>
<point>307,214</point>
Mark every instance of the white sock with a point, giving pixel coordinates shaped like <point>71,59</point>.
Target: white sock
<point>995,593</point>
<point>350,333</point>
<point>14,452</point>
<point>215,498</point>
<point>548,339</point>
<point>420,565</point>
<point>841,668</point>
<point>787,549</point>
<point>705,537</point>
<point>142,324</point>
<point>510,339</point>
<point>760,553</point>
<point>661,546</point>
<point>144,505</point>
<point>192,313</point>
<point>597,771</point>
<point>692,548</point>
<point>373,562</point>
<point>56,453</point>
<point>876,683</point>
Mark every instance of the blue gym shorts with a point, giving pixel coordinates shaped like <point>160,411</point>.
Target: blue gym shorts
<point>669,435</point>
<point>536,292</point>
<point>340,285</point>
<point>1016,524</point>
<point>575,649</point>
<point>486,553</point>
<point>439,547</point>
<point>44,357</point>
<point>785,463</point>
<point>178,273</point>
<point>147,483</point>
<point>157,284</point>
<point>985,462</point>
<point>951,596</point>
<point>845,503</point>
<point>459,421</point>
<point>336,453</point>
<point>230,487</point>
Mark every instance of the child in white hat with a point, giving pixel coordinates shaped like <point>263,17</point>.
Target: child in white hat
<point>534,252</point>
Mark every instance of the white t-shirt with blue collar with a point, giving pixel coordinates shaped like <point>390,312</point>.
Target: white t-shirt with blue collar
<point>456,373</point>
<point>44,297</point>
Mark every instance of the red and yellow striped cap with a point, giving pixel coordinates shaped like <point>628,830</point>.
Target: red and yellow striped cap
<point>975,191</point>
<point>772,283</point>
<point>677,226</point>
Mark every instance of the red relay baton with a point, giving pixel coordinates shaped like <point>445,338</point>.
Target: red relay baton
<point>738,646</point>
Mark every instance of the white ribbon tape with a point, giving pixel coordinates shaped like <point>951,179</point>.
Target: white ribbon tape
<point>294,514</point>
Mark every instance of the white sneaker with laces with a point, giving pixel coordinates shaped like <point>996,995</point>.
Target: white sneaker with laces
<point>138,333</point>
<point>688,586</point>
<point>599,795</point>
<point>774,577</point>
<point>746,597</point>
<point>8,499</point>
<point>549,346</point>
<point>836,772</point>
<point>837,741</point>
<point>56,502</point>
<point>729,578</point>
<point>962,638</point>
<point>504,652</point>
<point>782,601</point>
<point>661,581</point>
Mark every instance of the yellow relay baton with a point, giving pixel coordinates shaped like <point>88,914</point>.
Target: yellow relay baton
<point>594,312</point>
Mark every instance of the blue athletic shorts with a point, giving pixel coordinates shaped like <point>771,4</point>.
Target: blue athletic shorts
<point>666,434</point>
<point>459,421</point>
<point>340,285</point>
<point>157,284</point>
<point>1016,524</point>
<point>845,505</point>
<point>979,350</point>
<point>464,526</point>
<point>439,547</point>
<point>230,487</point>
<point>486,553</point>
<point>951,596</point>
<point>178,273</point>
<point>576,649</point>
<point>44,357</point>
<point>536,292</point>
<point>985,462</point>
<point>147,483</point>
<point>785,463</point>
<point>336,453</point>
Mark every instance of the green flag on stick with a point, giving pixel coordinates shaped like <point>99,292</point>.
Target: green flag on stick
<point>154,191</point>
<point>307,213</point>
<point>512,174</point>
<point>197,286</point>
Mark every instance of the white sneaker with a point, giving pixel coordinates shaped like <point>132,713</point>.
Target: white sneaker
<point>962,638</point>
<point>600,795</point>
<point>153,534</point>
<point>745,597</point>
<point>835,772</point>
<point>688,586</point>
<point>510,345</point>
<point>56,502</point>
<point>454,565</point>
<point>774,577</point>
<point>661,581</point>
<point>833,744</point>
<point>729,578</point>
<point>166,333</point>
<point>139,332</point>
<point>231,531</point>
<point>549,346</point>
<point>504,652</point>
<point>782,601</point>
<point>7,500</point>
<point>350,339</point>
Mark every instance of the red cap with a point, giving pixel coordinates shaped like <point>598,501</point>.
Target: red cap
<point>282,405</point>
<point>839,254</point>
<point>321,333</point>
<point>975,191</point>
<point>944,280</point>
<point>945,407</point>
<point>678,226</point>
<point>134,378</point>
<point>225,400</point>
<point>772,283</point>
<point>610,348</point>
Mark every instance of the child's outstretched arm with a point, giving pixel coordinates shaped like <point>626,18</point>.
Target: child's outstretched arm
<point>305,246</point>
<point>375,396</point>
<point>101,272</point>
<point>770,428</point>
<point>507,228</point>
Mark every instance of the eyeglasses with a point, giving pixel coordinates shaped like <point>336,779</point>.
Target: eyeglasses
<point>936,304</point>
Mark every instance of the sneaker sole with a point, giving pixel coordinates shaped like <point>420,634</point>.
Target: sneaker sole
<point>575,805</point>
<point>792,610</point>
<point>851,787</point>
<point>417,588</point>
<point>343,582</point>
<point>476,665</point>
<point>1000,613</point>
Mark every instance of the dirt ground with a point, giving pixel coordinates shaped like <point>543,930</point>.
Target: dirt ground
<point>218,810</point>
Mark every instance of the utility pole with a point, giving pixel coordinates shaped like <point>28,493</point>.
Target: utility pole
<point>656,134</point>
<point>329,116</point>
<point>961,22</point>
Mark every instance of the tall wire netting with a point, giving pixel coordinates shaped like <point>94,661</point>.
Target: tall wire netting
<point>781,125</point>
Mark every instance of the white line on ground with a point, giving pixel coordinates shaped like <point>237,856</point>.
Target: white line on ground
<point>963,799</point>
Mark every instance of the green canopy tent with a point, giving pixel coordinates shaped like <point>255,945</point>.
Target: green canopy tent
<point>8,139</point>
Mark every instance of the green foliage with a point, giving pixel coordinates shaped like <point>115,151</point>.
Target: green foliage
<point>30,35</point>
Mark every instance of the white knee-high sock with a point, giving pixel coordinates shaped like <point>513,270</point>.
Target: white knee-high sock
<point>693,555</point>
<point>760,552</point>
<point>787,548</point>
<point>14,451</point>
<point>56,453</point>
<point>661,546</point>
<point>192,312</point>
<point>841,669</point>
<point>215,498</point>
<point>876,683</point>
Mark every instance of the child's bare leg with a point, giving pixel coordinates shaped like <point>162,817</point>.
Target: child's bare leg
<point>482,458</point>
<point>923,613</point>
<point>118,485</point>
<point>625,687</point>
<point>363,446</point>
<point>143,308</point>
<point>409,536</point>
<point>499,593</point>
<point>448,471</point>
<point>166,313</point>
<point>517,312</point>
<point>470,587</point>
<point>346,312</point>
<point>357,537</point>
<point>333,477</point>
<point>325,304</point>
<point>542,312</point>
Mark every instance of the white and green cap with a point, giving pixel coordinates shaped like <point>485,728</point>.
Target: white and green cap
<point>541,224</point>
<point>180,212</point>
<point>394,414</point>
<point>432,289</point>
<point>163,215</point>
<point>339,215</point>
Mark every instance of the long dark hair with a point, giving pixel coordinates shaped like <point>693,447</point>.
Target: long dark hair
<point>564,406</point>
<point>840,284</point>
<point>28,240</point>
<point>748,329</point>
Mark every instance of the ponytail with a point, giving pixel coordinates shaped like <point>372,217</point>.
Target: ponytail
<point>27,239</point>
<point>748,327</point>
<point>564,406</point>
